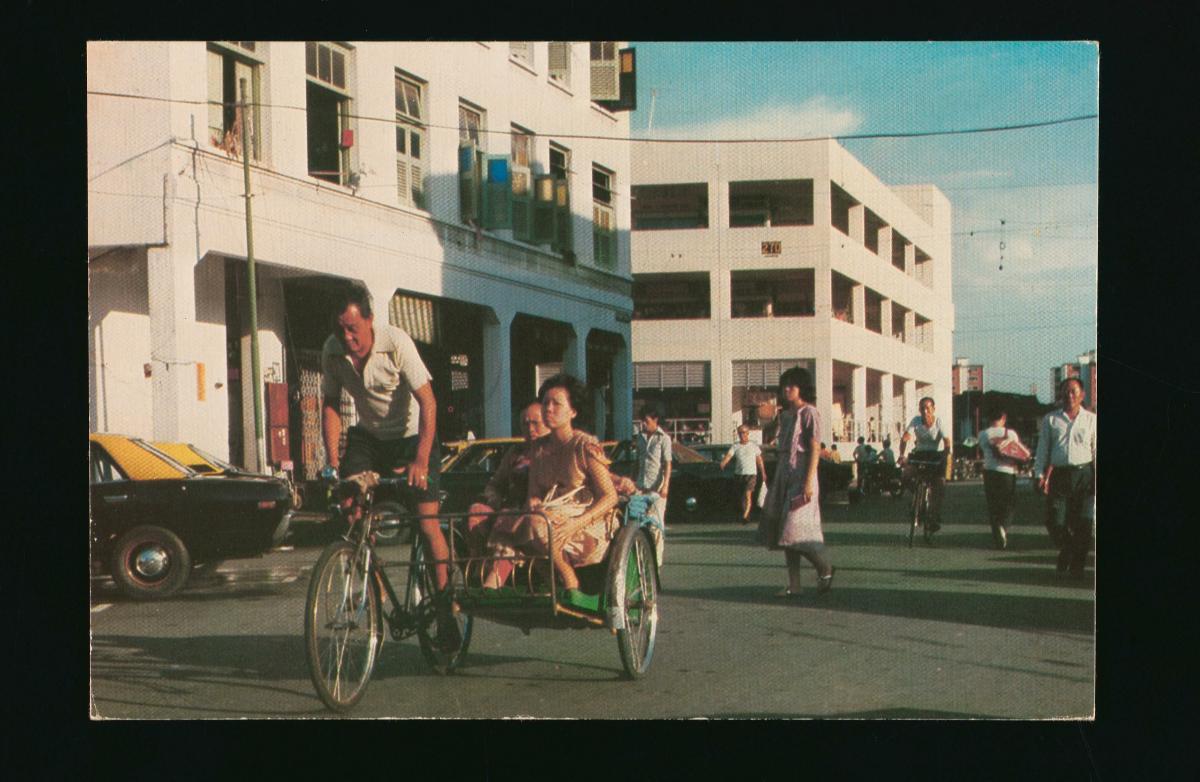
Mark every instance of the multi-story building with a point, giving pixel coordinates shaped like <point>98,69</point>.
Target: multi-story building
<point>474,188</point>
<point>965,376</point>
<point>749,258</point>
<point>1083,368</point>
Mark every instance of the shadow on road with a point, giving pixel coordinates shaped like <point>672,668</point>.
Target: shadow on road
<point>1014,612</point>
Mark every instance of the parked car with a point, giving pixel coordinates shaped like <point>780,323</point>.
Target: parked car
<point>465,474</point>
<point>154,518</point>
<point>699,488</point>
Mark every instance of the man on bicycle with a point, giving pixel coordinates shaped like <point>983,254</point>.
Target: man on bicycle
<point>379,366</point>
<point>926,431</point>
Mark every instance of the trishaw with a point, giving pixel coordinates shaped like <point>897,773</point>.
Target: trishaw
<point>352,603</point>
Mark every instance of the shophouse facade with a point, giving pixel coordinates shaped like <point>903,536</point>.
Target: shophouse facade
<point>749,258</point>
<point>476,189</point>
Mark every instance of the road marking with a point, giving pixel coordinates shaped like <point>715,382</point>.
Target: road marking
<point>290,579</point>
<point>98,608</point>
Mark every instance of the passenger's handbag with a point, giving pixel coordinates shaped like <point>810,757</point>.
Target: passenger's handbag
<point>761,498</point>
<point>1012,448</point>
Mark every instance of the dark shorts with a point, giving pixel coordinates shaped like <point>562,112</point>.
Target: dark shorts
<point>748,482</point>
<point>364,451</point>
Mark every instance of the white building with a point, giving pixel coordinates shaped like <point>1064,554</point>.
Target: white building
<point>749,258</point>
<point>394,165</point>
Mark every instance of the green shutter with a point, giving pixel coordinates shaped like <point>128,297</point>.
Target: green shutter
<point>544,222</point>
<point>563,235</point>
<point>497,194</point>
<point>522,203</point>
<point>468,182</point>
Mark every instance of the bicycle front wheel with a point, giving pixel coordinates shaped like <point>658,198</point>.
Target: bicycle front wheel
<point>914,519</point>
<point>343,625</point>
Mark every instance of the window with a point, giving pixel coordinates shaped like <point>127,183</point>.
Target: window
<point>228,65</point>
<point>470,162</point>
<point>604,220</point>
<point>559,56</point>
<point>773,294</point>
<point>562,239</point>
<point>872,225</point>
<point>521,50</point>
<point>605,70</point>
<point>840,203</point>
<point>666,207</point>
<point>672,296</point>
<point>770,203</point>
<point>411,134</point>
<point>103,469</point>
<point>923,267</point>
<point>328,103</point>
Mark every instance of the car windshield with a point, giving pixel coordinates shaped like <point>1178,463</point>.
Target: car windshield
<point>480,458</point>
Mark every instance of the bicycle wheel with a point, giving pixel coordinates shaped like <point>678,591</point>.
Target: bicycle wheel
<point>421,600</point>
<point>343,625</point>
<point>632,598</point>
<point>914,515</point>
<point>926,514</point>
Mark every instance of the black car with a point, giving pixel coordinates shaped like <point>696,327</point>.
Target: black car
<point>699,488</point>
<point>154,518</point>
<point>464,475</point>
<point>831,476</point>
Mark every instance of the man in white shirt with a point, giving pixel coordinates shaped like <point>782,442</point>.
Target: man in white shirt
<point>927,432</point>
<point>653,475</point>
<point>1065,470</point>
<point>748,466</point>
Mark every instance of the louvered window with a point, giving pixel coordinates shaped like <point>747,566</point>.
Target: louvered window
<point>671,374</point>
<point>559,55</point>
<point>764,373</point>
<point>604,223</point>
<point>410,142</point>
<point>327,92</point>
<point>470,162</point>
<point>521,175</point>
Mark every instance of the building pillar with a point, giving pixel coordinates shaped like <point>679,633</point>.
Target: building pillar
<point>823,381</point>
<point>858,401</point>
<point>910,327</point>
<point>858,217</point>
<point>858,305</point>
<point>575,356</point>
<point>622,388</point>
<point>885,318</point>
<point>172,305</point>
<point>910,401</point>
<point>497,371</point>
<point>885,405</point>
<point>910,259</point>
<point>885,244</point>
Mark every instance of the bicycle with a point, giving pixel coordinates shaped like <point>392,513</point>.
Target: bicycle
<point>924,468</point>
<point>344,621</point>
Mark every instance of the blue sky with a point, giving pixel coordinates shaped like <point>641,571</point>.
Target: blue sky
<point>1040,310</point>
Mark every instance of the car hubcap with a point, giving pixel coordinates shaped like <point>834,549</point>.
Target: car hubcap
<point>151,562</point>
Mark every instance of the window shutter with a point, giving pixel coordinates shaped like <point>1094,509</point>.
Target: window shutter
<point>544,222</point>
<point>603,236</point>
<point>606,71</point>
<point>564,237</point>
<point>559,57</point>
<point>696,374</point>
<point>497,194</point>
<point>646,375</point>
<point>402,182</point>
<point>522,203</point>
<point>674,375</point>
<point>468,182</point>
<point>216,94</point>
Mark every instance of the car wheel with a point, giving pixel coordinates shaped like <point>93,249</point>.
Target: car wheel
<point>149,563</point>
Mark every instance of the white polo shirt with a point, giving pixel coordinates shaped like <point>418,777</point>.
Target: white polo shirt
<point>382,394</point>
<point>1063,442</point>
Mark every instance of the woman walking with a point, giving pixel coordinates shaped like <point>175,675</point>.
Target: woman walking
<point>792,514</point>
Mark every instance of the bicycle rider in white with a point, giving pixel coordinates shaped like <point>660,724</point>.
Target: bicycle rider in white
<point>927,432</point>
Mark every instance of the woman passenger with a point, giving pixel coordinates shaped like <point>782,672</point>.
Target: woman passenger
<point>563,461</point>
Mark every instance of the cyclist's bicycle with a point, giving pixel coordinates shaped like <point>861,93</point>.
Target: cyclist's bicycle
<point>344,618</point>
<point>924,467</point>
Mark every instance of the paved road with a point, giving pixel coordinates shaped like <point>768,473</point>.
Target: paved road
<point>958,630</point>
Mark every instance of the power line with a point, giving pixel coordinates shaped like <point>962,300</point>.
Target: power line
<point>841,137</point>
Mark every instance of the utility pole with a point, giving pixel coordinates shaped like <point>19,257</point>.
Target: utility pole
<point>255,366</point>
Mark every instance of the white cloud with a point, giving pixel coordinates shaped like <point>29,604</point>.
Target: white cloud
<point>816,117</point>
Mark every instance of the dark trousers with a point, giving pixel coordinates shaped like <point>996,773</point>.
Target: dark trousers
<point>1068,507</point>
<point>1000,489</point>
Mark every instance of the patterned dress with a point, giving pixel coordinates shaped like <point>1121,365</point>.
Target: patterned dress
<point>561,468</point>
<point>780,527</point>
